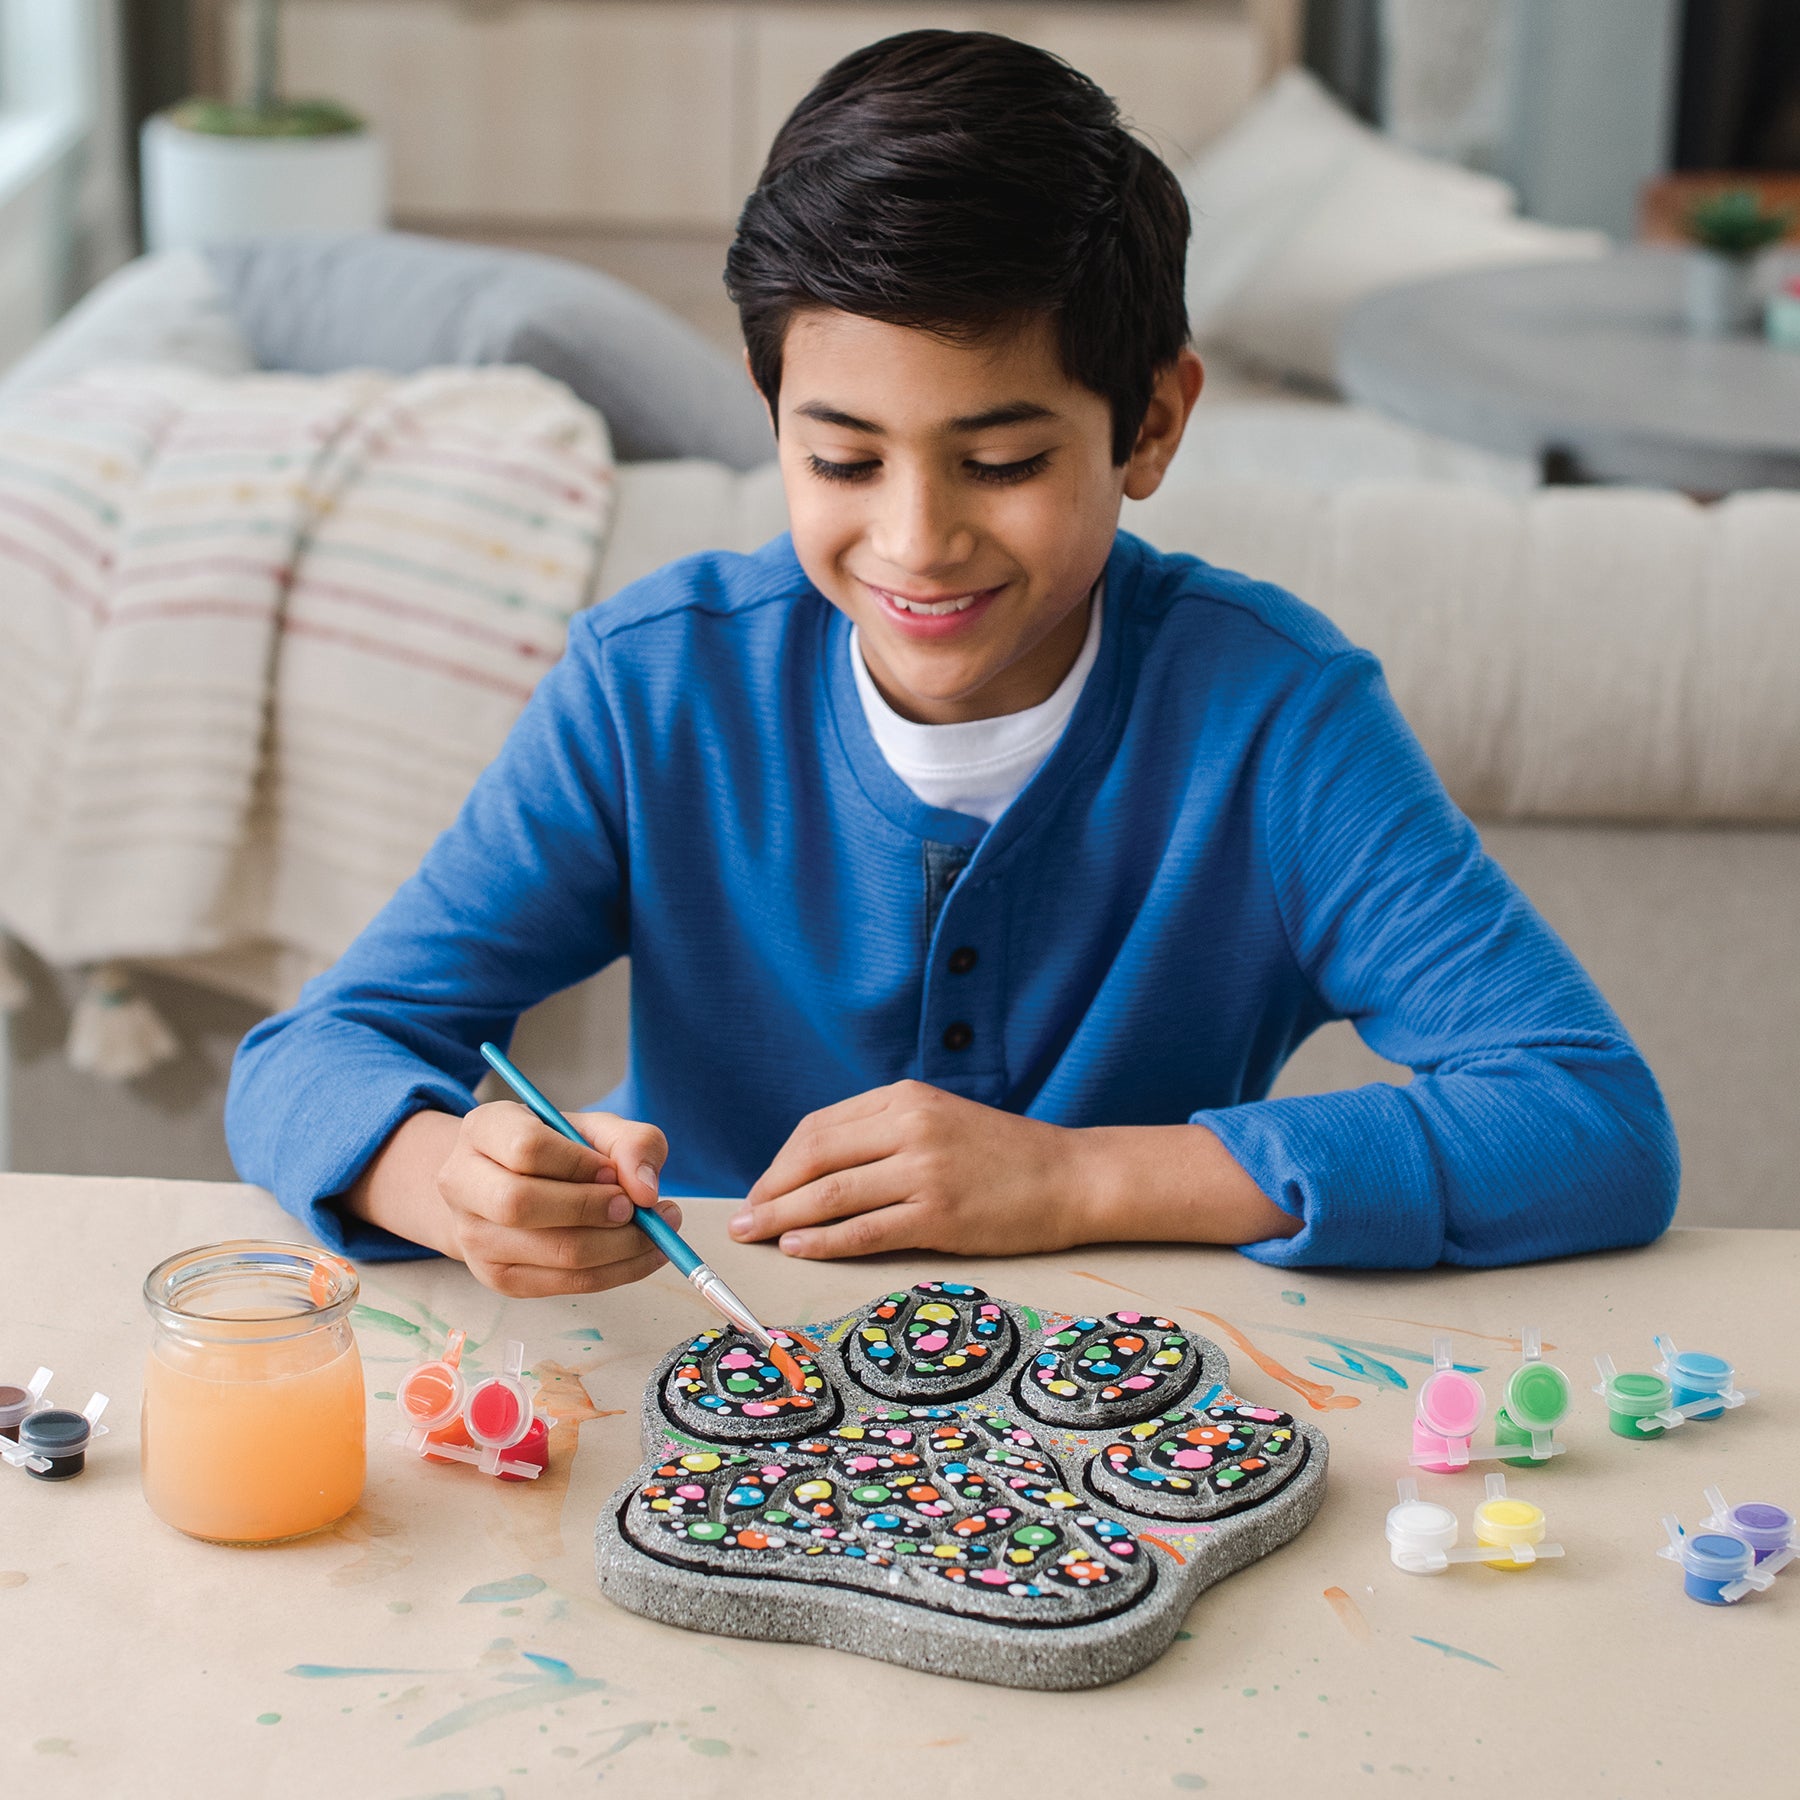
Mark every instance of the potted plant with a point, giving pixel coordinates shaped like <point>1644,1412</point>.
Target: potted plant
<point>1728,230</point>
<point>214,169</point>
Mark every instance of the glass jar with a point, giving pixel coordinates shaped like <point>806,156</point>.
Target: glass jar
<point>254,1418</point>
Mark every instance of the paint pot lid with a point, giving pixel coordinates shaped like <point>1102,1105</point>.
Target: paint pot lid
<point>1537,1396</point>
<point>1421,1525</point>
<point>1714,1557</point>
<point>1636,1392</point>
<point>1757,1515</point>
<point>55,1431</point>
<point>15,1403</point>
<point>1695,1368</point>
<point>1507,1521</point>
<point>499,1412</point>
<point>430,1394</point>
<point>1451,1403</point>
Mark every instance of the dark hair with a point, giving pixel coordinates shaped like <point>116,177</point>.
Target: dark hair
<point>962,182</point>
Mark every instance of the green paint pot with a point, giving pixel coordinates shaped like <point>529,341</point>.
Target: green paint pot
<point>1537,1399</point>
<point>1635,1395</point>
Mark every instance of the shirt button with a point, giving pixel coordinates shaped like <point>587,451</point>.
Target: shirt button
<point>962,961</point>
<point>958,1037</point>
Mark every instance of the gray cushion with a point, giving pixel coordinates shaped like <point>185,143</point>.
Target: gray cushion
<point>314,303</point>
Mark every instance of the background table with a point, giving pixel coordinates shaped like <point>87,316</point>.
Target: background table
<point>1584,362</point>
<point>392,1657</point>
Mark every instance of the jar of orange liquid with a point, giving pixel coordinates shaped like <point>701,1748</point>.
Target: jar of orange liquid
<point>253,1420</point>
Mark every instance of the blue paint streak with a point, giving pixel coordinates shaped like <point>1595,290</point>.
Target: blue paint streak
<point>514,1587</point>
<point>1293,1298</point>
<point>332,1672</point>
<point>1347,1368</point>
<point>1451,1650</point>
<point>586,1333</point>
<point>1365,1347</point>
<point>555,1681</point>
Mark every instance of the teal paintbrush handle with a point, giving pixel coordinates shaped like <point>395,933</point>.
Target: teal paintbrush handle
<point>651,1223</point>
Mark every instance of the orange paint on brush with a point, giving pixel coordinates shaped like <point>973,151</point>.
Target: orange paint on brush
<point>1349,1614</point>
<point>790,1370</point>
<point>1319,1395</point>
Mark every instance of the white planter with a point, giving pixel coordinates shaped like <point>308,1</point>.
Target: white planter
<point>201,188</point>
<point>1719,302</point>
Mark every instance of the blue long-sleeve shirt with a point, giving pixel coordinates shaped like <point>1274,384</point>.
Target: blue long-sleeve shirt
<point>1236,839</point>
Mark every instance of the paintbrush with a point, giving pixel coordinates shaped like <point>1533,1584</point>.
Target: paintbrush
<point>686,1260</point>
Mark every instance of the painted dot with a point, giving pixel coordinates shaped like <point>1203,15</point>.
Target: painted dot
<point>706,1531</point>
<point>701,1462</point>
<point>1035,1534</point>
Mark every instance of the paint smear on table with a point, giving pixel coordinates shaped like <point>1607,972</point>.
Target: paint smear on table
<point>13,1578</point>
<point>552,1683</point>
<point>1089,1275</point>
<point>585,1334</point>
<point>342,1672</point>
<point>366,1530</point>
<point>1317,1394</point>
<point>514,1587</point>
<point>1364,1348</point>
<point>1512,1343</point>
<point>628,1735</point>
<point>1451,1650</point>
<point>1349,1614</point>
<point>372,1318</point>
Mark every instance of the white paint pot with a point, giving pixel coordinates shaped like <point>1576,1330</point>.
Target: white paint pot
<point>1717,294</point>
<point>202,187</point>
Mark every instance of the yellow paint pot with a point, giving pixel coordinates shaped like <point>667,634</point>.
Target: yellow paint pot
<point>1502,1523</point>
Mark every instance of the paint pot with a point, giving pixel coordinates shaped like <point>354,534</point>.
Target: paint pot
<point>254,1416</point>
<point>1420,1534</point>
<point>1503,1523</point>
<point>1712,1563</point>
<point>1536,1402</point>
<point>1449,1408</point>
<point>1634,1395</point>
<point>490,1422</point>
<point>1694,1375</point>
<point>16,1402</point>
<point>56,1441</point>
<point>1768,1530</point>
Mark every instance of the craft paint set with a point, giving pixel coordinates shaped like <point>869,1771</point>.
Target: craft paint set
<point>1738,1551</point>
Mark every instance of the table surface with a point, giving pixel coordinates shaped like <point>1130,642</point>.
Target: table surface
<point>396,1650</point>
<point>1589,358</point>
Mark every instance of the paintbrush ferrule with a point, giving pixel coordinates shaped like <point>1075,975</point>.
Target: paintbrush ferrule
<point>712,1289</point>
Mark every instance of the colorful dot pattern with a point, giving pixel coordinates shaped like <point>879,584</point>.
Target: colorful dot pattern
<point>1198,1462</point>
<point>941,1339</point>
<point>727,1376</point>
<point>1106,1371</point>
<point>912,1495</point>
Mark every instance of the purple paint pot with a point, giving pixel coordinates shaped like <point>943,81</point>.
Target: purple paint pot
<point>1766,1529</point>
<point>59,1436</point>
<point>1710,1563</point>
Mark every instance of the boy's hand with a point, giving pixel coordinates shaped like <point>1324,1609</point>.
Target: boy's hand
<point>911,1167</point>
<point>532,1213</point>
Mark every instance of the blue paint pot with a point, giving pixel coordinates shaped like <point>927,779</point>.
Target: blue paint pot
<point>1710,1563</point>
<point>1693,1375</point>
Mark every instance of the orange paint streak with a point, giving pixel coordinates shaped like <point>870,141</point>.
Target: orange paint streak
<point>1088,1276</point>
<point>790,1370</point>
<point>1319,1395</point>
<point>1512,1343</point>
<point>1167,1549</point>
<point>1349,1616</point>
<point>802,1340</point>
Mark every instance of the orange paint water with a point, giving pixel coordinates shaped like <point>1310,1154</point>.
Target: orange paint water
<point>253,1442</point>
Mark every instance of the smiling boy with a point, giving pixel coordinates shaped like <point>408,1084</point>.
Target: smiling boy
<point>980,866</point>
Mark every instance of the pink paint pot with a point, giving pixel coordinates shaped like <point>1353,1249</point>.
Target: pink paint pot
<point>1449,1408</point>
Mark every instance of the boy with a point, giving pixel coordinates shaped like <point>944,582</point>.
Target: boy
<point>979,865</point>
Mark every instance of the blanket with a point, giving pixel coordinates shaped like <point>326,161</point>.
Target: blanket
<point>259,635</point>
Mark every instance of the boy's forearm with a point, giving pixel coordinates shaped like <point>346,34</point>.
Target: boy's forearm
<point>398,1188</point>
<point>1173,1184</point>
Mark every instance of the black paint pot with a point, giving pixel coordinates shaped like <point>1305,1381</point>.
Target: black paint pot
<point>61,1437</point>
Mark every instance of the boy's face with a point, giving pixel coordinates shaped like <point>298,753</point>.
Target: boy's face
<point>958,501</point>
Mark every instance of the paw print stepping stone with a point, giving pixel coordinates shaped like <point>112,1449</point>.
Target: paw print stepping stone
<point>954,1491</point>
